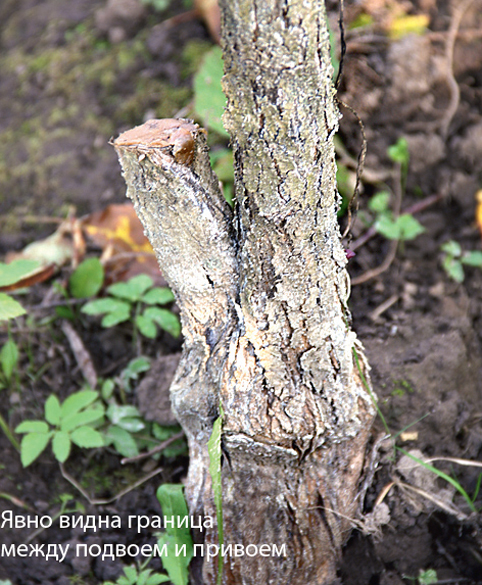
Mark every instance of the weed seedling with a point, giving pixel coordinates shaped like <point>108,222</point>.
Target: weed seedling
<point>178,536</point>
<point>132,576</point>
<point>404,227</point>
<point>127,302</point>
<point>126,430</point>
<point>427,577</point>
<point>454,259</point>
<point>64,424</point>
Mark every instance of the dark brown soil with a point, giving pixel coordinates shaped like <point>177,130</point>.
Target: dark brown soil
<point>72,77</point>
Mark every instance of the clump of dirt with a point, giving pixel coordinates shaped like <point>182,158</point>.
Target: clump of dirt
<point>76,73</point>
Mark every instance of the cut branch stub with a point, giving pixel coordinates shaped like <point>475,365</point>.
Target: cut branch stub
<point>178,199</point>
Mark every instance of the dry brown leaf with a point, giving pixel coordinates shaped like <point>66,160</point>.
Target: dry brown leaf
<point>478,210</point>
<point>58,248</point>
<point>126,251</point>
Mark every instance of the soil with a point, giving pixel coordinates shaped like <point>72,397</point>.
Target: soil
<point>76,73</point>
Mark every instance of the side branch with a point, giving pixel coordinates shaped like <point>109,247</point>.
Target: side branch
<point>189,224</point>
<point>185,216</point>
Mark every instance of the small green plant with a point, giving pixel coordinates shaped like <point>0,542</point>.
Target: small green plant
<point>404,227</point>
<point>399,154</point>
<point>401,387</point>
<point>133,576</point>
<point>171,498</point>
<point>427,577</point>
<point>455,258</point>
<point>126,430</point>
<point>8,370</point>
<point>64,424</point>
<point>127,302</point>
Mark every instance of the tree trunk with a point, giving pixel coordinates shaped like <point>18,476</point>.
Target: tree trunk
<point>263,297</point>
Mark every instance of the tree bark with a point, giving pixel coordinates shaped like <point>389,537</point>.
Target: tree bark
<point>263,298</point>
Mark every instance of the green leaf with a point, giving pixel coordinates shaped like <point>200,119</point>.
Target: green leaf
<point>77,401</point>
<point>427,577</point>
<point>158,296</point>
<point>398,152</point>
<point>473,258</point>
<point>16,270</point>
<point>52,410</point>
<point>107,389</point>
<point>214,452</point>
<point>137,366</point>
<point>133,289</point>
<point>9,358</point>
<point>117,311</point>
<point>143,576</point>
<point>176,566</point>
<point>10,308</point>
<point>209,100</point>
<point>126,417</point>
<point>32,446</point>
<point>32,426</point>
<point>171,498</point>
<point>453,267</point>
<point>387,227</point>
<point>61,446</point>
<point>87,279</point>
<point>87,437</point>
<point>156,579</point>
<point>173,503</point>
<point>65,313</point>
<point>379,202</point>
<point>222,161</point>
<point>452,248</point>
<point>123,441</point>
<point>78,419</point>
<point>163,433</point>
<point>146,326</point>
<point>409,227</point>
<point>131,574</point>
<point>165,319</point>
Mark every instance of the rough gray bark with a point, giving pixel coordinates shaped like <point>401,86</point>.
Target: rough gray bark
<point>264,305</point>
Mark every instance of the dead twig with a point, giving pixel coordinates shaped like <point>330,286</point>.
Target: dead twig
<point>81,354</point>
<point>96,502</point>
<point>446,506</point>
<point>458,12</point>
<point>383,307</point>
<point>156,449</point>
